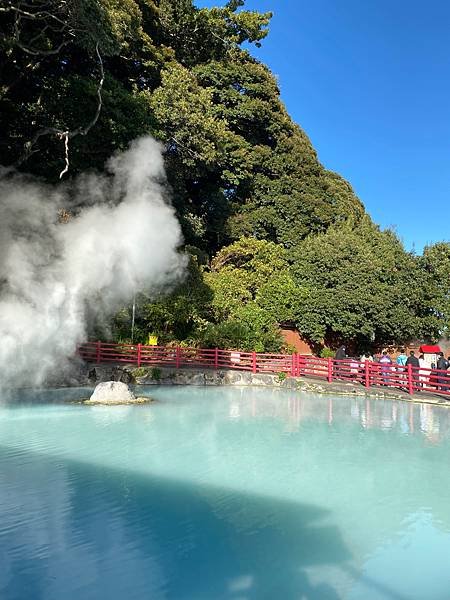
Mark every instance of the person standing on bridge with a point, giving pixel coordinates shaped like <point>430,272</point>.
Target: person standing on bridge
<point>385,362</point>
<point>401,362</point>
<point>442,365</point>
<point>415,364</point>
<point>340,355</point>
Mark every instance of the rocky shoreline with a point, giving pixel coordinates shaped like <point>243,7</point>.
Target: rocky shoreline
<point>93,374</point>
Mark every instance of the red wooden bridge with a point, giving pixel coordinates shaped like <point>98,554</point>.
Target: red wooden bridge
<point>368,374</point>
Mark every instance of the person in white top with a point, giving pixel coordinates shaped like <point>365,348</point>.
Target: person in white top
<point>366,357</point>
<point>423,374</point>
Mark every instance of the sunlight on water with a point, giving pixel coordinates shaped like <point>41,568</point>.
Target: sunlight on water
<point>213,493</point>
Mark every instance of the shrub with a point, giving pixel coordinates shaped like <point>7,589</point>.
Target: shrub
<point>155,374</point>
<point>327,352</point>
<point>139,372</point>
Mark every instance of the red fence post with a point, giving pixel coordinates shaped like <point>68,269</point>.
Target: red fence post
<point>330,370</point>
<point>367,374</point>
<point>410,380</point>
<point>139,348</point>
<point>177,357</point>
<point>216,358</point>
<point>301,363</point>
<point>98,353</point>
<point>254,362</point>
<point>294,364</point>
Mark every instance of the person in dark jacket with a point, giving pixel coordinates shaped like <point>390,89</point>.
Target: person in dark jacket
<point>415,364</point>
<point>442,365</point>
<point>412,360</point>
<point>339,368</point>
<point>340,353</point>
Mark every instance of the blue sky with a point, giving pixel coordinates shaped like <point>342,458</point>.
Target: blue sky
<point>369,82</point>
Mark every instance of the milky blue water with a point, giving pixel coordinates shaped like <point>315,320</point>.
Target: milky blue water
<point>221,493</point>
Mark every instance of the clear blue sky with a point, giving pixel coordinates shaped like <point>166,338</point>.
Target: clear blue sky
<point>369,82</point>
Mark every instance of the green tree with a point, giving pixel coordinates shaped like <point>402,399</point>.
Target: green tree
<point>362,286</point>
<point>435,288</point>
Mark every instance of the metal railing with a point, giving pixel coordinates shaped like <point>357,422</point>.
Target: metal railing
<point>369,374</point>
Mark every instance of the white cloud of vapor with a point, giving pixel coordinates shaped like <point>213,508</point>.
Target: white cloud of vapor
<point>122,237</point>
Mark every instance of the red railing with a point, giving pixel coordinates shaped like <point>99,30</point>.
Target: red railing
<point>368,374</point>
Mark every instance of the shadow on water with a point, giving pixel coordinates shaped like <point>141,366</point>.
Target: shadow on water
<point>75,530</point>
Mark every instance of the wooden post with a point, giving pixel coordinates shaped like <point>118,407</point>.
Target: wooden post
<point>300,362</point>
<point>216,358</point>
<point>294,364</point>
<point>330,370</point>
<point>139,348</point>
<point>254,362</point>
<point>367,374</point>
<point>177,357</point>
<point>98,354</point>
<point>410,380</point>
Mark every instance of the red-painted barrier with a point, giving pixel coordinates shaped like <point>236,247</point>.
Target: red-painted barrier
<point>368,374</point>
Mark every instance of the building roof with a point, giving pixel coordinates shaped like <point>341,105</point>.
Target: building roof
<point>430,349</point>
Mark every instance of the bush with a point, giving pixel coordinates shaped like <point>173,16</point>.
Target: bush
<point>327,352</point>
<point>139,372</point>
<point>155,374</point>
<point>236,335</point>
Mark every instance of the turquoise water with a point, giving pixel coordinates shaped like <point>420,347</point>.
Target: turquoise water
<point>219,493</point>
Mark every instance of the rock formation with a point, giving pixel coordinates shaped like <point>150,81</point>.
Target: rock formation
<point>114,392</point>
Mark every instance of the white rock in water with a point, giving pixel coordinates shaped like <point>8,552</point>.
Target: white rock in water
<point>112,392</point>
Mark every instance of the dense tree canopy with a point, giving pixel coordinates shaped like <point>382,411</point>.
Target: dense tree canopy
<point>274,237</point>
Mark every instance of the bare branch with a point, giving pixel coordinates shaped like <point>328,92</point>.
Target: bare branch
<point>44,14</point>
<point>85,130</point>
<point>193,153</point>
<point>36,52</point>
<point>67,135</point>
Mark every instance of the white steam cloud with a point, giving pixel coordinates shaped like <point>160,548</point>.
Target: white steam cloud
<point>122,237</point>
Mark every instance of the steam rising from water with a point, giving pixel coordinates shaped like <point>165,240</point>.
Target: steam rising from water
<point>122,238</point>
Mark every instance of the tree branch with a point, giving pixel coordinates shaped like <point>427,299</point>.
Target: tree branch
<point>67,135</point>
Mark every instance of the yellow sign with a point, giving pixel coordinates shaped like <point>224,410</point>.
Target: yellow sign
<point>152,340</point>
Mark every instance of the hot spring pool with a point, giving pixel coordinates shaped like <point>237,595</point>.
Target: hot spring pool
<point>221,493</point>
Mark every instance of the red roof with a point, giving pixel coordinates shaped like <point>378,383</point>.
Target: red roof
<point>430,349</point>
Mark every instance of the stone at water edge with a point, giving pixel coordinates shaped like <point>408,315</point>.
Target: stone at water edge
<point>114,392</point>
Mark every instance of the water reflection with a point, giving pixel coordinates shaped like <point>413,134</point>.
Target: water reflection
<point>406,417</point>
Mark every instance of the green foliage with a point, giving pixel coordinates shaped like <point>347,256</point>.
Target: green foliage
<point>273,237</point>
<point>362,284</point>
<point>327,352</point>
<point>139,372</point>
<point>281,376</point>
<point>170,317</point>
<point>435,264</point>
<point>241,334</point>
<point>155,374</point>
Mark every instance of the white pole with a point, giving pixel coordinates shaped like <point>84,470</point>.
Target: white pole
<point>133,315</point>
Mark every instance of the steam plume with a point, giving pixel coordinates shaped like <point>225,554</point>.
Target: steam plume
<point>122,238</point>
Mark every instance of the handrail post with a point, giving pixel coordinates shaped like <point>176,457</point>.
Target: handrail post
<point>139,348</point>
<point>367,374</point>
<point>177,357</point>
<point>216,358</point>
<point>254,362</point>
<point>301,360</point>
<point>98,353</point>
<point>330,370</point>
<point>410,380</point>
<point>293,364</point>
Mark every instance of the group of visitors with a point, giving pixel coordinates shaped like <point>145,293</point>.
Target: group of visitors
<point>420,367</point>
